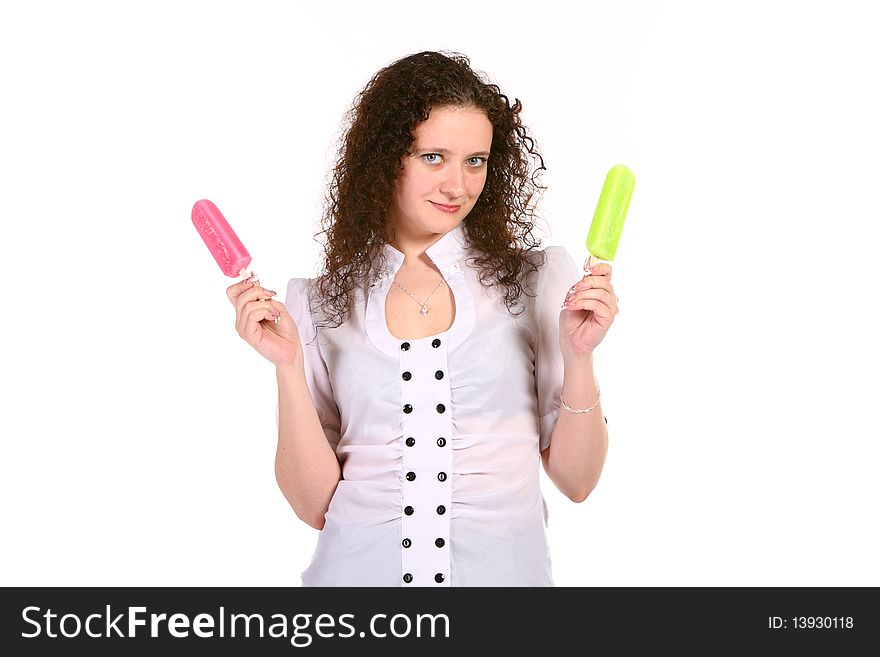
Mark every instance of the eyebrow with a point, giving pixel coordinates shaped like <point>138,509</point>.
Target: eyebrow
<point>444,151</point>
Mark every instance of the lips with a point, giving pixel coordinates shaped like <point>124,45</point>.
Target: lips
<point>445,208</point>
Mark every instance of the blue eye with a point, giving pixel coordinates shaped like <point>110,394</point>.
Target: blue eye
<point>435,158</point>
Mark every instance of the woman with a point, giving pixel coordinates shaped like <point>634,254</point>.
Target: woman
<point>421,376</point>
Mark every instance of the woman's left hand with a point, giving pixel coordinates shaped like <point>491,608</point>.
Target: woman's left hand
<point>587,313</point>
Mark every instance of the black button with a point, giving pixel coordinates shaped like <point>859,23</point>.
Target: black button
<point>409,510</point>
<point>438,578</point>
<point>435,343</point>
<point>405,346</point>
<point>407,542</point>
<point>441,476</point>
<point>441,442</point>
<point>407,578</point>
<point>441,510</point>
<point>410,476</point>
<point>439,542</point>
<point>438,375</point>
<point>407,376</point>
<point>407,408</point>
<point>410,441</point>
<point>441,408</point>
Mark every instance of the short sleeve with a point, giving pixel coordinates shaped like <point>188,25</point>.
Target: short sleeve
<point>317,377</point>
<point>554,278</point>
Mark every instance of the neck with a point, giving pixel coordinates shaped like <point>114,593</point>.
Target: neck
<point>414,246</point>
<point>414,259</point>
<point>414,249</point>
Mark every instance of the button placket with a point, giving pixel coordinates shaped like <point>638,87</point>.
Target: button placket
<point>424,459</point>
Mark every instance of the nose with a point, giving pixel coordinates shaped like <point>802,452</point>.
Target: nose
<point>452,184</point>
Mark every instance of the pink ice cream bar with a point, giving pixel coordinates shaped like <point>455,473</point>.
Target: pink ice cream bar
<point>220,239</point>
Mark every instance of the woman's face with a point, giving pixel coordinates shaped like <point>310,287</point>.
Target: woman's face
<point>444,173</point>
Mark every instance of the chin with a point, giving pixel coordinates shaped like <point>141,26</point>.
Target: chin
<point>441,226</point>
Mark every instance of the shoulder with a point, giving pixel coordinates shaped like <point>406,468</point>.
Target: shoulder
<point>299,304</point>
<point>554,263</point>
<point>298,290</point>
<point>553,279</point>
<point>559,257</point>
<point>298,301</point>
<point>299,285</point>
<point>550,256</point>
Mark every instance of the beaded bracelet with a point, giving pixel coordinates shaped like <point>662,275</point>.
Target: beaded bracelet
<point>579,410</point>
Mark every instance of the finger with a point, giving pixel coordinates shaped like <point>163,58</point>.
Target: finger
<point>252,314</point>
<point>584,284</point>
<point>255,318</point>
<point>599,307</point>
<point>593,293</point>
<point>236,289</point>
<point>598,294</point>
<point>254,293</point>
<point>592,282</point>
<point>602,269</point>
<point>280,310</point>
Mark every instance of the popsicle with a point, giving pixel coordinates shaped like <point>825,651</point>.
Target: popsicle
<point>610,212</point>
<point>220,239</point>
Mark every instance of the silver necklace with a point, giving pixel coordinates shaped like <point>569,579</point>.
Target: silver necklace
<point>424,310</point>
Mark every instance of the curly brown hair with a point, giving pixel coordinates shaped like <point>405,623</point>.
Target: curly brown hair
<point>380,129</point>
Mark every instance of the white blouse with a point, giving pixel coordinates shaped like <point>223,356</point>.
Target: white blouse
<point>438,437</point>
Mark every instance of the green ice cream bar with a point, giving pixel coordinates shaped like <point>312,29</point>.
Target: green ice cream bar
<point>610,213</point>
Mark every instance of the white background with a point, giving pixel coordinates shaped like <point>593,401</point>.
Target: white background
<point>739,379</point>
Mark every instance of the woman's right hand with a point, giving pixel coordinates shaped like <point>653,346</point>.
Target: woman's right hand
<point>255,313</point>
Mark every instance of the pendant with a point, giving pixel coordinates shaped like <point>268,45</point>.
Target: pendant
<point>424,310</point>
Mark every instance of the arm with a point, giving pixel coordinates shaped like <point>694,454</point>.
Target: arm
<point>306,466</point>
<point>573,446</point>
<point>579,442</point>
